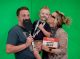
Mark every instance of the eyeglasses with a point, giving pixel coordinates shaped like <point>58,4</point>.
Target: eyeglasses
<point>53,16</point>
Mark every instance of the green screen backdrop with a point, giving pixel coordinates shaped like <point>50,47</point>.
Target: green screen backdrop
<point>70,8</point>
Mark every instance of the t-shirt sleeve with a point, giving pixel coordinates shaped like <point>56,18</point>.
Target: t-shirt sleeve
<point>12,37</point>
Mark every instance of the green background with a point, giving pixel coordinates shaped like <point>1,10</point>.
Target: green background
<point>70,8</point>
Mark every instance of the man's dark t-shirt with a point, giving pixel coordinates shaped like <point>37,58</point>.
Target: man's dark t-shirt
<point>17,36</point>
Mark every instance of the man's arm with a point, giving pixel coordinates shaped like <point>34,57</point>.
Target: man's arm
<point>13,49</point>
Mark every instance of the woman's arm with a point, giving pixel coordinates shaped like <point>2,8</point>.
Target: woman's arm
<point>62,35</point>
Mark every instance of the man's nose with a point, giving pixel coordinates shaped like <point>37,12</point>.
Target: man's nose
<point>26,17</point>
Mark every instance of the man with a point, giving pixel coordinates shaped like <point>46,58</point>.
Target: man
<point>19,40</point>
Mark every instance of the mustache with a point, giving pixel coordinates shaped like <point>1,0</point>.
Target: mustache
<point>26,19</point>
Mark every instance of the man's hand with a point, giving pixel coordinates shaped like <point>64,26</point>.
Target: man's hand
<point>29,40</point>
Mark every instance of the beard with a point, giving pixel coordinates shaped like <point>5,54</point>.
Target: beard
<point>27,24</point>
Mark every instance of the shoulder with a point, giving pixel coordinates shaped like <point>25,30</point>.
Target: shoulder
<point>61,31</point>
<point>14,29</point>
<point>47,25</point>
<point>35,21</point>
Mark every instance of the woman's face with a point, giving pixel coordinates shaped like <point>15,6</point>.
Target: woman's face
<point>54,14</point>
<point>58,18</point>
<point>51,21</point>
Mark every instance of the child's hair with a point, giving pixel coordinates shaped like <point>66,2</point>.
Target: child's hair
<point>45,7</point>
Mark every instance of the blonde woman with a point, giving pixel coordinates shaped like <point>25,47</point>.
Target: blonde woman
<point>56,20</point>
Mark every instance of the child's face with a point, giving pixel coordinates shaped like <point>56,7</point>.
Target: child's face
<point>44,14</point>
<point>38,45</point>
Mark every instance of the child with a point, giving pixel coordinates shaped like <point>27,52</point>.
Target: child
<point>41,29</point>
